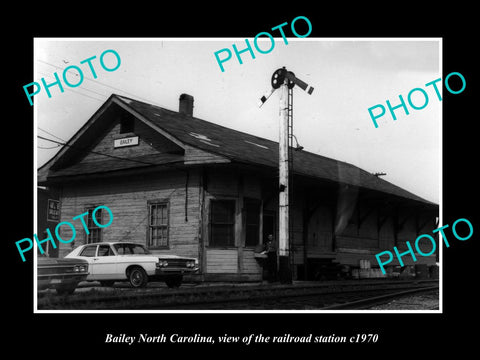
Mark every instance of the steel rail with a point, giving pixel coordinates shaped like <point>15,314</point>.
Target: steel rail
<point>367,302</point>
<point>162,299</point>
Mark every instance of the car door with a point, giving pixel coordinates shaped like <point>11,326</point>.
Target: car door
<point>89,252</point>
<point>104,263</point>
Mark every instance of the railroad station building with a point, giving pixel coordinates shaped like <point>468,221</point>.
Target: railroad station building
<point>186,186</point>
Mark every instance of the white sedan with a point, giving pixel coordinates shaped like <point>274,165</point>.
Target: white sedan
<point>119,261</point>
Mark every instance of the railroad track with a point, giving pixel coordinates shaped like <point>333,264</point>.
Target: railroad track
<point>367,302</point>
<point>335,300</point>
<point>323,296</point>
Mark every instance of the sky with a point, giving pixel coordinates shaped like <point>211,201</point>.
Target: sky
<point>348,75</point>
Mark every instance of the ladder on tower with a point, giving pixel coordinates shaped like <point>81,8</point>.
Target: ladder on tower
<point>290,174</point>
<point>279,78</point>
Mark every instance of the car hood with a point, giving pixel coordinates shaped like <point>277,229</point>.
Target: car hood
<point>137,255</point>
<point>161,256</point>
<point>168,256</point>
<point>41,261</point>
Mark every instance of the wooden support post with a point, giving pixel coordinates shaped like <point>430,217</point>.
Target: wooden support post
<point>240,222</point>
<point>202,223</point>
<point>305,217</point>
<point>334,225</point>
<point>395,227</point>
<point>187,177</point>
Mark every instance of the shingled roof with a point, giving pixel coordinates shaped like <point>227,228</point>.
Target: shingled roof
<point>245,148</point>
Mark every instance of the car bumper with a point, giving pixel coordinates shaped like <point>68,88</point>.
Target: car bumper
<point>165,272</point>
<point>56,280</point>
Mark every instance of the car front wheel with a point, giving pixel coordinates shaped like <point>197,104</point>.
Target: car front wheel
<point>137,277</point>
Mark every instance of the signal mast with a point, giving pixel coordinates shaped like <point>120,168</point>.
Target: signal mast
<point>285,80</point>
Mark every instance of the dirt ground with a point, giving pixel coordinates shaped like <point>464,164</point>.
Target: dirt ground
<point>428,301</point>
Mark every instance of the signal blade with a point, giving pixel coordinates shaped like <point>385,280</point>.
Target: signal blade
<point>303,85</point>
<point>265,97</point>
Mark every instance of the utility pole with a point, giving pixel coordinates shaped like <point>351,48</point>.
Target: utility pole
<point>285,80</point>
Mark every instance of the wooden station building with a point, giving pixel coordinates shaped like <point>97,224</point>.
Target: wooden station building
<point>185,186</point>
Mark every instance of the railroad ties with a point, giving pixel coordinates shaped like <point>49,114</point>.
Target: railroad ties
<point>326,295</point>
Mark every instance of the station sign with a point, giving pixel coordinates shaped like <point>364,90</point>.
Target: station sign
<point>53,211</point>
<point>123,142</point>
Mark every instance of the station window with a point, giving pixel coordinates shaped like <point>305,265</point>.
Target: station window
<point>95,232</point>
<point>252,222</point>
<point>158,225</point>
<point>222,223</point>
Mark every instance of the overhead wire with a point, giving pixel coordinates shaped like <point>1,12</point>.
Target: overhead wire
<point>48,148</point>
<point>55,136</point>
<point>99,82</point>
<point>80,93</point>
<point>83,87</point>
<point>64,143</point>
<point>49,133</point>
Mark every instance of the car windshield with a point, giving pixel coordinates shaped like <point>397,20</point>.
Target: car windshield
<point>130,249</point>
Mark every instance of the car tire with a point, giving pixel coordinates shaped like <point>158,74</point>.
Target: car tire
<point>137,277</point>
<point>174,281</point>
<point>107,283</point>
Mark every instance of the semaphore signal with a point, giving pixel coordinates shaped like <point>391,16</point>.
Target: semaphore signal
<point>285,81</point>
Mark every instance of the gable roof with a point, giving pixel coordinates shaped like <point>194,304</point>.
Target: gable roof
<point>238,147</point>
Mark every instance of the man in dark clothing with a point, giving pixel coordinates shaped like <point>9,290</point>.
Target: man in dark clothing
<point>271,251</point>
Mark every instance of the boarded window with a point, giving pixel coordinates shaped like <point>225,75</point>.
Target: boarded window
<point>95,233</point>
<point>252,222</point>
<point>222,223</point>
<point>158,225</point>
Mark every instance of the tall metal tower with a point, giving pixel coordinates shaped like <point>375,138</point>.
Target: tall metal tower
<point>285,80</point>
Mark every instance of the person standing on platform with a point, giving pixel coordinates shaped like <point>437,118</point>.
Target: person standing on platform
<point>271,252</point>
